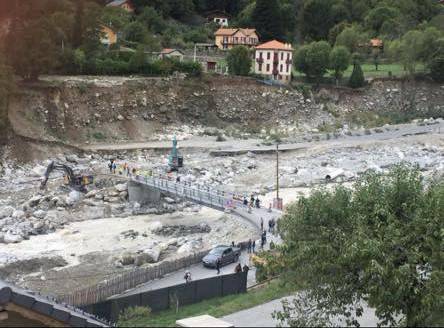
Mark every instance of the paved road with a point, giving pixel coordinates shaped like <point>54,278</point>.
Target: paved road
<point>242,146</point>
<point>198,271</point>
<point>260,316</point>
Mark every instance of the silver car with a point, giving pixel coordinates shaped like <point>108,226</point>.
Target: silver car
<point>226,255</point>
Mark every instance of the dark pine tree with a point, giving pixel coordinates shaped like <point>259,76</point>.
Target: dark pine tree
<point>77,31</point>
<point>267,20</point>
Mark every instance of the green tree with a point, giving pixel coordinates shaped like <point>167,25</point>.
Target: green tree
<point>377,16</point>
<point>317,19</point>
<point>6,86</point>
<point>138,59</point>
<point>152,19</point>
<point>437,69</point>
<point>380,242</point>
<point>239,61</point>
<point>267,21</point>
<point>31,51</point>
<point>411,50</point>
<point>352,38</point>
<point>79,60</point>
<point>430,44</point>
<point>313,59</point>
<point>115,17</point>
<point>357,79</point>
<point>339,61</point>
<point>136,32</point>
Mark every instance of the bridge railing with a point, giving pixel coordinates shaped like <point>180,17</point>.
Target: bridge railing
<point>202,194</point>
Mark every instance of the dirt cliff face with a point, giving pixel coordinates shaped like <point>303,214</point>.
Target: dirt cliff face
<point>77,110</point>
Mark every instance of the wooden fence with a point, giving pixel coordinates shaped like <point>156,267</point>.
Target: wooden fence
<point>130,279</point>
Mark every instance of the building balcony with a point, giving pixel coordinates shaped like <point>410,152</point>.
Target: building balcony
<point>288,61</point>
<point>259,60</point>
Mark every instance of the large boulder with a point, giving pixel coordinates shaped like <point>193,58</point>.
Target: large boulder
<point>18,214</point>
<point>39,214</point>
<point>10,238</point>
<point>73,197</point>
<point>121,187</point>
<point>6,211</point>
<point>152,254</point>
<point>127,259</point>
<point>95,213</point>
<point>35,200</point>
<point>38,171</point>
<point>190,246</point>
<point>72,158</point>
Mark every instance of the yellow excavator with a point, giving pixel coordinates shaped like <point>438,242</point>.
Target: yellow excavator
<point>76,182</point>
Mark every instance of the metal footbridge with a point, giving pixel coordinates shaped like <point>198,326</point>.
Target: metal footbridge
<point>200,194</point>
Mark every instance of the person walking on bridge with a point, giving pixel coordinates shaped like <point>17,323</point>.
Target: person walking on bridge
<point>249,246</point>
<point>262,224</point>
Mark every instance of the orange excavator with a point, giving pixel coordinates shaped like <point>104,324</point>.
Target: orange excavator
<point>76,182</point>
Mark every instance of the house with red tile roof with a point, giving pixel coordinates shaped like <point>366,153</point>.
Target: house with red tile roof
<point>273,59</point>
<point>227,38</point>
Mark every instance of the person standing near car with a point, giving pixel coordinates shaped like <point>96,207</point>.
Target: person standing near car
<point>238,268</point>
<point>218,266</point>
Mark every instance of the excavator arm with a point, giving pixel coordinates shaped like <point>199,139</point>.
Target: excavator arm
<point>77,182</point>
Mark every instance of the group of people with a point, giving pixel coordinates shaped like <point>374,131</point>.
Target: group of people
<point>123,169</point>
<point>254,202</point>
<point>271,225</point>
<point>251,246</point>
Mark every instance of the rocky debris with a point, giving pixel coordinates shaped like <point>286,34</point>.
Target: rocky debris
<point>121,187</point>
<point>127,258</point>
<point>72,158</point>
<point>169,200</point>
<point>10,238</point>
<point>73,198</point>
<point>182,230</point>
<point>129,234</point>
<point>35,200</point>
<point>18,214</point>
<point>39,214</point>
<point>6,211</point>
<point>38,171</point>
<point>190,246</point>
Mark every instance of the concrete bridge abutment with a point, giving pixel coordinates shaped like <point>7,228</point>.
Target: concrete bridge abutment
<point>143,194</point>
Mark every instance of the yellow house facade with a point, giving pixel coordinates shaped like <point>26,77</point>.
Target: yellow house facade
<point>227,38</point>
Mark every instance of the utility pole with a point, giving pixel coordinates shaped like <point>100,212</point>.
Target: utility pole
<point>277,202</point>
<point>277,171</point>
<point>195,50</point>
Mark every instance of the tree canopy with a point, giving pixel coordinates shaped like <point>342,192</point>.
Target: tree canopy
<point>379,242</point>
<point>239,61</point>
